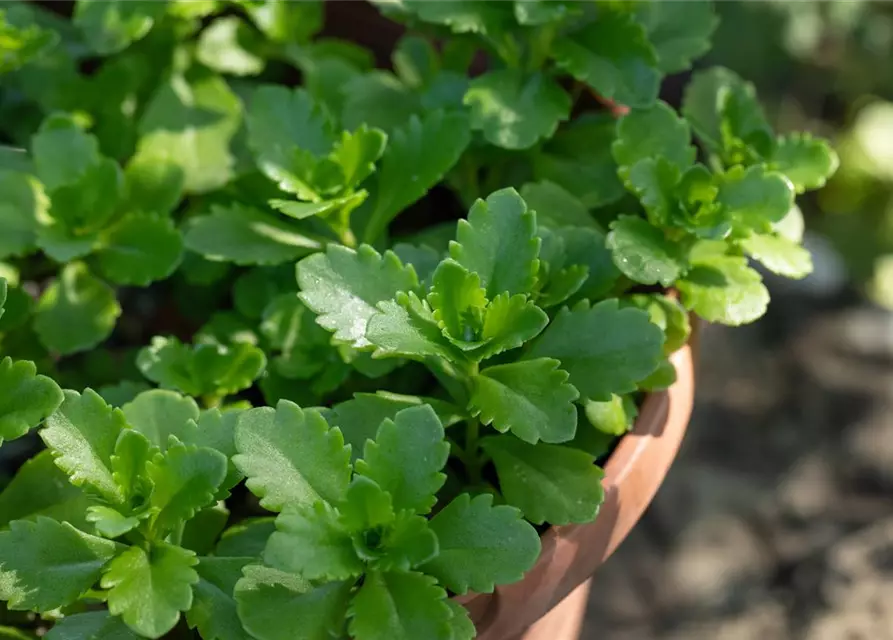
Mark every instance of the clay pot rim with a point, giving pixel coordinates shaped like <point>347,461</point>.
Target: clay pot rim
<point>670,408</point>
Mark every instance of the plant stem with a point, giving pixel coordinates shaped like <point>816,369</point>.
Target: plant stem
<point>472,458</point>
<point>212,400</point>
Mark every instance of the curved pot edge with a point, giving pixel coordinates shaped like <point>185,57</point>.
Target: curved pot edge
<point>572,553</point>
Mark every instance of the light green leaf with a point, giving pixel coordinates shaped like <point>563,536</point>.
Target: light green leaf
<point>622,347</point>
<point>417,157</point>
<point>281,121</point>
<point>149,590</point>
<point>652,133</point>
<point>643,253</point>
<point>408,543</point>
<point>93,625</point>
<point>189,122</point>
<point>247,236</point>
<point>140,249</point>
<point>509,323</point>
<point>614,57</point>
<point>344,286</point>
<point>47,564</point>
<point>539,12</point>
<point>779,255</point>
<point>614,416</point>
<point>229,45</point>
<point>109,522</point>
<point>291,457</point>
<point>461,624</point>
<point>407,457</point>
<point>458,300</point>
<point>356,153</point>
<point>400,606</point>
<point>656,184</point>
<point>87,204</point>
<point>549,483</point>
<point>663,378</point>
<point>367,507</point>
<point>754,197</point>
<point>406,327</point>
<point>667,313</point>
<point>82,434</point>
<point>159,414</point>
<point>213,611</point>
<point>153,185</point>
<point>286,22</point>
<point>531,398</point>
<point>311,542</point>
<point>679,33</point>
<point>185,479</point>
<point>27,399</point>
<point>301,210</point>
<point>515,110</point>
<point>216,430</point>
<point>110,26</point>
<point>274,605</point>
<point>76,312</point>
<point>724,289</point>
<point>22,204</point>
<point>132,453</point>
<point>807,162</point>
<point>62,245</point>
<point>481,545</point>
<point>499,243</point>
<point>40,488</point>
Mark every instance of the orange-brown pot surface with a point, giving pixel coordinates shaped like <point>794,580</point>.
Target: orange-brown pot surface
<point>572,553</point>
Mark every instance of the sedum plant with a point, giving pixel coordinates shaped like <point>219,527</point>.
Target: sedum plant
<point>338,345</point>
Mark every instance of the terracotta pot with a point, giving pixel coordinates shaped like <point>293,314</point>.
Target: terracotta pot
<point>571,554</point>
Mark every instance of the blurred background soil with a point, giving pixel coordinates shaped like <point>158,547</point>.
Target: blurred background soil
<point>776,521</point>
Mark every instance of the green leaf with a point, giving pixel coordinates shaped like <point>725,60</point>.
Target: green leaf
<point>643,253</point>
<point>651,133</point>
<point>216,430</point>
<point>229,45</point>
<point>539,12</point>
<point>461,624</point>
<point>356,153</point>
<point>623,347</point>
<point>62,151</point>
<point>201,532</point>
<point>415,60</point>
<point>463,16</point>
<point>311,542</point>
<point>159,414</point>
<point>366,507</point>
<point>499,243</point>
<point>110,26</point>
<point>754,197</point>
<point>481,545</point>
<point>779,255</point>
<point>456,296</point>
<point>656,184</point>
<point>679,33</point>
<point>549,483</point>
<point>40,488</point>
<point>190,121</point>
<point>286,22</point>
<point>359,418</point>
<point>400,606</point>
<point>27,400</point>
<point>247,236</point>
<point>578,158</point>
<point>615,416</point>
<point>509,323</point>
<point>62,245</point>
<point>153,185</point>
<point>87,204</point>
<point>76,312</point>
<point>110,523</point>
<point>667,313</point>
<point>807,162</point>
<point>213,610</point>
<point>515,110</point>
<point>726,115</point>
<point>204,369</point>
<point>150,589</point>
<point>378,99</point>
<point>246,539</point>
<point>185,479</point>
<point>281,121</point>
<point>407,544</point>
<point>22,204</point>
<point>614,57</point>
<point>93,625</point>
<point>344,286</point>
<point>407,457</point>
<point>531,398</point>
<point>417,157</point>
<point>82,434</point>
<point>128,463</point>
<point>724,289</point>
<point>555,206</point>
<point>140,249</point>
<point>663,377</point>
<point>406,327</point>
<point>587,247</point>
<point>291,457</point>
<point>274,605</point>
<point>47,564</point>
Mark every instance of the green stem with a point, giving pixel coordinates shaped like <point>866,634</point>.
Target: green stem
<point>212,400</point>
<point>473,460</point>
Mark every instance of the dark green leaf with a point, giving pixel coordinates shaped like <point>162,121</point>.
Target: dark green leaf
<point>93,625</point>
<point>679,33</point>
<point>27,398</point>
<point>213,610</point>
<point>246,539</point>
<point>62,151</point>
<point>643,253</point>
<point>555,206</point>
<point>40,488</point>
<point>112,25</point>
<point>22,204</point>
<point>380,100</point>
<point>159,414</point>
<point>651,133</point>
